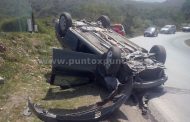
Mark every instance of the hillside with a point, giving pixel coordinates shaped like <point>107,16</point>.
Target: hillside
<point>134,15</point>
<point>54,7</point>
<point>49,7</point>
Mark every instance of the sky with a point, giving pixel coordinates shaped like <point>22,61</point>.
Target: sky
<point>151,0</point>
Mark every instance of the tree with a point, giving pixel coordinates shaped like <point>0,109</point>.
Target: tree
<point>186,9</point>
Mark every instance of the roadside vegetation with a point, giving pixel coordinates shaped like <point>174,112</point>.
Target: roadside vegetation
<point>135,16</point>
<point>24,76</point>
<point>26,67</point>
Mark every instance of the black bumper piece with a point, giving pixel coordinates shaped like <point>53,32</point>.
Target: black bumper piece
<point>150,84</point>
<point>95,113</point>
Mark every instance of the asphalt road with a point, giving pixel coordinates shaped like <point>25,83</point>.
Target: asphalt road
<point>172,103</point>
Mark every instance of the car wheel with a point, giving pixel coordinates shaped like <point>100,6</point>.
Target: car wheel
<point>156,34</point>
<point>160,53</point>
<point>65,21</point>
<point>111,62</point>
<point>105,20</point>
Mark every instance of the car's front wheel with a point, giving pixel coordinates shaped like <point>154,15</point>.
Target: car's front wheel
<point>160,53</point>
<point>65,21</point>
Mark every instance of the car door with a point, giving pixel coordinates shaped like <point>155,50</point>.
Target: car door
<point>67,61</point>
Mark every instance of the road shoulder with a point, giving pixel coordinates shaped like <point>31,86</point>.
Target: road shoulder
<point>187,42</point>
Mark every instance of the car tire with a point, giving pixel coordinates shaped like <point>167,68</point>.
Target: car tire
<point>111,62</point>
<point>105,20</point>
<point>112,58</point>
<point>156,35</point>
<point>160,53</point>
<point>65,21</point>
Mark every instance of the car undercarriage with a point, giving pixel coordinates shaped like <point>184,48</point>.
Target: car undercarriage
<point>110,59</point>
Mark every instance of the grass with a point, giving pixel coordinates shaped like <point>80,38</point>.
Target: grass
<point>24,77</point>
<point>23,74</point>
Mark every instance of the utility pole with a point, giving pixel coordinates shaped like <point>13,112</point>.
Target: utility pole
<point>33,21</point>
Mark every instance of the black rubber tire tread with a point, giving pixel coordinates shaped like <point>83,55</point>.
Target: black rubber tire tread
<point>160,53</point>
<point>105,20</point>
<point>114,67</point>
<point>68,19</point>
<point>57,30</point>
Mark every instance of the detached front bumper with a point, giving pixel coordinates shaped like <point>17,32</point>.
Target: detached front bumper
<point>150,84</point>
<point>96,112</point>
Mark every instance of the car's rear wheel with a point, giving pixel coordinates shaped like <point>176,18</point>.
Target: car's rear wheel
<point>65,21</point>
<point>105,20</point>
<point>111,62</point>
<point>160,53</point>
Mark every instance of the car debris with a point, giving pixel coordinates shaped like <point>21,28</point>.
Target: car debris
<point>27,112</point>
<point>2,80</point>
<point>2,48</point>
<point>95,112</point>
<point>111,60</point>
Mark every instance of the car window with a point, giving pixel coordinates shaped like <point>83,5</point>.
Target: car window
<point>151,29</point>
<point>167,26</point>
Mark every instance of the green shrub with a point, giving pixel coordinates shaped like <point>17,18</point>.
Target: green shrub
<point>44,25</point>
<point>14,25</point>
